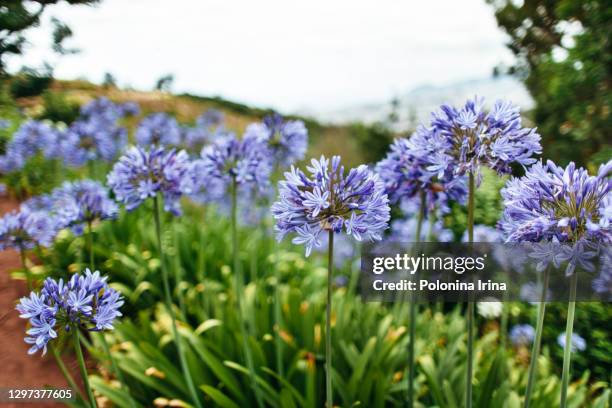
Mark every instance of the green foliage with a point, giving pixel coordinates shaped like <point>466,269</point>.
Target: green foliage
<point>373,140</point>
<point>39,175</point>
<point>564,56</point>
<point>30,82</point>
<point>58,108</point>
<point>488,205</point>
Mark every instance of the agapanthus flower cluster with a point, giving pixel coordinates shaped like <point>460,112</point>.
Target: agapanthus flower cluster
<point>578,343</point>
<point>229,158</point>
<point>409,170</point>
<point>567,205</point>
<point>522,335</point>
<point>81,202</point>
<point>140,174</point>
<point>84,302</point>
<point>31,138</point>
<point>92,139</point>
<point>484,233</point>
<point>104,109</point>
<point>286,141</point>
<point>158,129</point>
<point>330,200</point>
<point>471,137</point>
<point>26,229</point>
<point>209,127</point>
<point>404,230</point>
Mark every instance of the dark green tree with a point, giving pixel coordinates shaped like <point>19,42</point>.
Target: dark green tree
<point>17,16</point>
<point>564,57</point>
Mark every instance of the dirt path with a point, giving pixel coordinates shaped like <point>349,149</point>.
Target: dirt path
<point>17,368</point>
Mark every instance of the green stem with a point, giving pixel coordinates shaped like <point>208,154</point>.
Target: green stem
<point>470,305</point>
<point>90,245</point>
<point>82,368</point>
<point>537,341</point>
<point>239,282</point>
<point>413,310</point>
<point>66,373</point>
<point>168,297</point>
<point>567,352</point>
<point>328,307</point>
<point>105,347</point>
<point>279,322</point>
<point>25,267</point>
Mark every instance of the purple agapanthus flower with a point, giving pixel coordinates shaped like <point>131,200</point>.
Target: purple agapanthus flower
<point>31,138</point>
<point>471,137</point>
<point>522,335</point>
<point>551,202</point>
<point>84,302</point>
<point>92,139</point>
<point>158,129</point>
<point>330,200</point>
<point>81,202</point>
<point>210,118</point>
<point>411,168</point>
<point>231,159</point>
<point>104,109</point>
<point>25,229</point>
<point>578,343</point>
<point>142,174</point>
<point>404,230</point>
<point>287,141</point>
<point>484,233</point>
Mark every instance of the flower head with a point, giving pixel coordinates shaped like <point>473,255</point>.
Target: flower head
<point>522,335</point>
<point>287,141</point>
<point>230,158</point>
<point>158,129</point>
<point>94,138</point>
<point>31,138</point>
<point>490,308</point>
<point>551,202</point>
<point>330,200</point>
<point>81,202</point>
<point>413,167</point>
<point>578,343</point>
<point>25,229</point>
<point>86,301</point>
<point>472,137</point>
<point>140,174</point>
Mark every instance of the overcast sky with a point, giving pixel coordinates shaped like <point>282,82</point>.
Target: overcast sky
<point>289,55</point>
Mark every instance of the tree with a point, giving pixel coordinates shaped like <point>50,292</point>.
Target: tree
<point>164,83</point>
<point>564,57</point>
<point>17,16</point>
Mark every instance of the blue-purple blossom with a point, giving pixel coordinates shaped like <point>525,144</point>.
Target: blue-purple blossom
<point>231,159</point>
<point>522,335</point>
<point>550,202</point>
<point>82,202</point>
<point>411,168</point>
<point>84,302</point>
<point>286,141</point>
<point>602,284</point>
<point>140,174</point>
<point>355,202</point>
<point>92,139</point>
<point>26,229</point>
<point>484,233</point>
<point>158,129</point>
<point>32,137</point>
<point>404,230</point>
<point>104,109</point>
<point>578,343</point>
<point>471,137</point>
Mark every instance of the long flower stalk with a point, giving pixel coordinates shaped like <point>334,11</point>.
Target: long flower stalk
<point>328,307</point>
<point>168,298</point>
<point>239,283</point>
<point>413,311</point>
<point>105,347</point>
<point>470,305</point>
<point>81,360</point>
<point>71,383</point>
<point>537,341</point>
<point>567,352</point>
<point>24,265</point>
